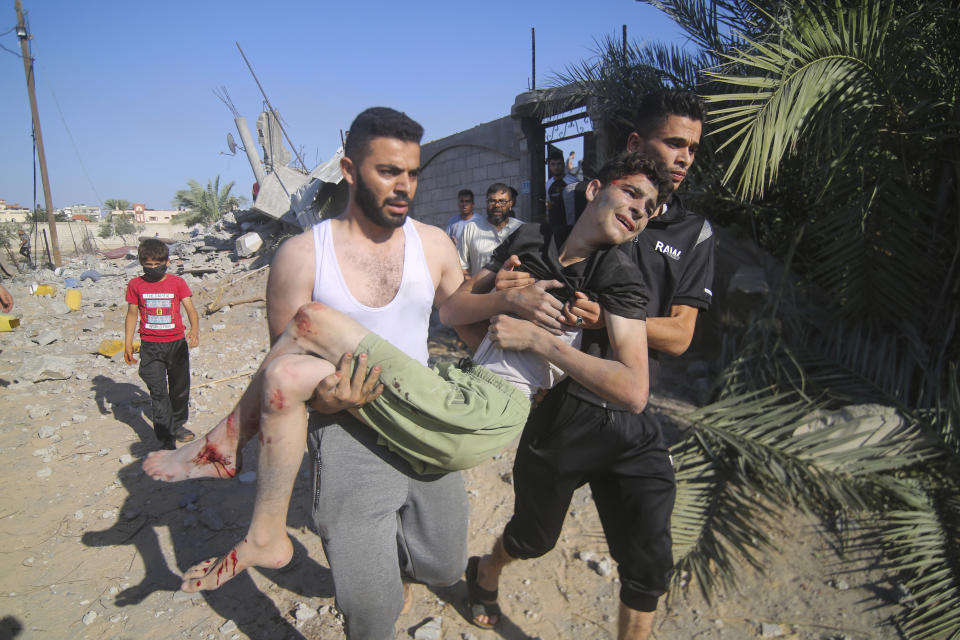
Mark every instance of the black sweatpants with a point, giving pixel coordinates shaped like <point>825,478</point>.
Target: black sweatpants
<point>568,442</point>
<point>165,369</point>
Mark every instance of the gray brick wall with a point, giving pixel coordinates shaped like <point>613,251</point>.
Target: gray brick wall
<point>473,159</point>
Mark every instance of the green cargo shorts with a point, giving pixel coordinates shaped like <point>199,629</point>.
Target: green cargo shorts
<point>444,418</point>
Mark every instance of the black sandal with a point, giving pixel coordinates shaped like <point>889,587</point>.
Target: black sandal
<point>482,602</point>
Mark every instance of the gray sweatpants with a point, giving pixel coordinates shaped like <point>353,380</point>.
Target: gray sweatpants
<point>380,523</point>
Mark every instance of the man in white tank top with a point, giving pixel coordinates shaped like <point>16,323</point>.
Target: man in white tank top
<point>380,522</point>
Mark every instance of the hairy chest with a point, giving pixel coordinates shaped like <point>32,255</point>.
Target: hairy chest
<point>372,276</point>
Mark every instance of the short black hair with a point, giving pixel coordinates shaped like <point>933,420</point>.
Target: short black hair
<point>152,249</point>
<point>465,192</point>
<point>554,154</point>
<point>630,163</point>
<point>498,186</point>
<point>379,122</point>
<point>658,105</point>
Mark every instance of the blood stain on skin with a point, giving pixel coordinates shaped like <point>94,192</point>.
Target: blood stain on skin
<point>304,325</point>
<point>210,455</point>
<point>277,400</point>
<point>232,423</point>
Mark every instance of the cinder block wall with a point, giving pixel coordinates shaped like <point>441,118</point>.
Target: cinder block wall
<point>473,159</point>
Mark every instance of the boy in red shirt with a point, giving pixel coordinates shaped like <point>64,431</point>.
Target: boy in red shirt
<point>156,297</point>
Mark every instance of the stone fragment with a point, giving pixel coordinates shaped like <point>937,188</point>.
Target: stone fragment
<point>37,411</point>
<point>770,630</point>
<point>228,627</point>
<point>28,562</point>
<point>304,611</point>
<point>46,337</point>
<point>45,472</point>
<point>248,244</point>
<point>603,567</point>
<point>47,367</point>
<point>47,431</point>
<point>89,617</point>
<point>126,458</point>
<point>183,596</point>
<point>429,630</point>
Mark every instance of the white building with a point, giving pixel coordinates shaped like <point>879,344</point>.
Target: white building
<point>13,212</point>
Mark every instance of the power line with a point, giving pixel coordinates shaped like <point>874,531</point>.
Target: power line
<point>73,142</point>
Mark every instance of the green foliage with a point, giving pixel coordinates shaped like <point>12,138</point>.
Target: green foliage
<point>116,204</point>
<point>123,225</point>
<point>106,229</point>
<point>833,143</point>
<point>204,205</point>
<point>8,233</point>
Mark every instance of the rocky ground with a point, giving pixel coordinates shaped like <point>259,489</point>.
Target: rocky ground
<point>90,548</point>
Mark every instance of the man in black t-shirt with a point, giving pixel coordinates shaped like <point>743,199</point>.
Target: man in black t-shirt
<point>574,437</point>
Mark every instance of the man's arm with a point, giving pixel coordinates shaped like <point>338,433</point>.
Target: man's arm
<point>289,287</point>
<point>193,336</point>
<point>477,300</point>
<point>674,333</point>
<point>625,380</point>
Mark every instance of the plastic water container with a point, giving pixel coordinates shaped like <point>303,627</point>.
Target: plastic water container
<point>8,322</point>
<point>43,289</point>
<point>73,299</point>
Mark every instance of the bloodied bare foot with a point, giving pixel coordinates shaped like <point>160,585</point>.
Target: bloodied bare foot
<point>212,573</point>
<point>213,456</point>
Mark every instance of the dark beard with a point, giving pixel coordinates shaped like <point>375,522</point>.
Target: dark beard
<point>373,210</point>
<point>497,218</point>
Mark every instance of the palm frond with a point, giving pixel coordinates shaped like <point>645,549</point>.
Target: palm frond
<point>924,543</point>
<point>714,523</point>
<point>786,88</point>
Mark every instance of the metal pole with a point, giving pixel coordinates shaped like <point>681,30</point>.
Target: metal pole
<point>28,70</point>
<point>624,43</point>
<point>267,100</point>
<point>533,60</point>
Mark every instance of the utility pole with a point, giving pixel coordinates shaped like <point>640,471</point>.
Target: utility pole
<point>23,36</point>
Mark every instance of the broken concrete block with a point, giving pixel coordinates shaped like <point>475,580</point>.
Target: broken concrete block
<point>46,337</point>
<point>248,244</point>
<point>47,368</point>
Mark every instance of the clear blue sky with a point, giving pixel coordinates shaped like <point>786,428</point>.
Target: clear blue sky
<point>132,82</point>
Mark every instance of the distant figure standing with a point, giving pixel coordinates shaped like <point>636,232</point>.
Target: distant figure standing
<point>25,247</point>
<point>481,236</point>
<point>571,163</point>
<point>559,203</point>
<point>456,223</point>
<point>156,298</point>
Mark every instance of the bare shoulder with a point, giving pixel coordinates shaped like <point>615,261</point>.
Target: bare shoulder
<point>293,254</point>
<point>429,233</point>
<point>441,256</point>
<point>290,283</point>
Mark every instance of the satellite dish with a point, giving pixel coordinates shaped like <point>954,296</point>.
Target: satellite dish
<point>231,144</point>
